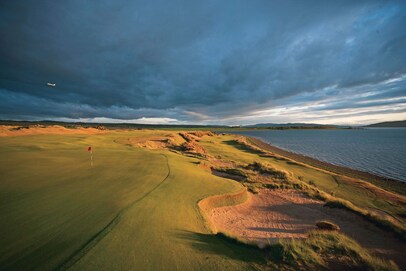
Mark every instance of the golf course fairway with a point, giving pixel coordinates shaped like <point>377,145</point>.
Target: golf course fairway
<point>53,203</point>
<point>133,203</point>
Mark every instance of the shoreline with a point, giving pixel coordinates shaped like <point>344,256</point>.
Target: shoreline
<point>384,182</point>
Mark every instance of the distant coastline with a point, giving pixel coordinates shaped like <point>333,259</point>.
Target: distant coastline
<point>388,124</point>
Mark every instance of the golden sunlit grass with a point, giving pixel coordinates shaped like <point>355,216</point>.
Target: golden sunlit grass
<point>143,202</point>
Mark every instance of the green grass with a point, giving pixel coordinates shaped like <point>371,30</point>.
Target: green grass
<point>166,230</point>
<point>133,209</point>
<point>54,206</point>
<point>52,200</point>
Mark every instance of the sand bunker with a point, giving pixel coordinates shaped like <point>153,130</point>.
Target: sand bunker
<point>273,214</point>
<point>269,215</point>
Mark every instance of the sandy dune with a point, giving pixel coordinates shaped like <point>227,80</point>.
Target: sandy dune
<point>273,214</point>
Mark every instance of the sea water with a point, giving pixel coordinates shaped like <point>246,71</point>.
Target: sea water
<point>381,151</point>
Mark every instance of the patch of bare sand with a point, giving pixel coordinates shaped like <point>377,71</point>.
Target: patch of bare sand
<point>274,214</point>
<point>45,130</point>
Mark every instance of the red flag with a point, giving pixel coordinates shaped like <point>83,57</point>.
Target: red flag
<point>89,148</point>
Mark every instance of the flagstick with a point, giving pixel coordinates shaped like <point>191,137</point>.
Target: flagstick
<point>91,158</point>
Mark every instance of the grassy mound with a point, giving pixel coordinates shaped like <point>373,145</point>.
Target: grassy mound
<point>322,250</point>
<point>268,170</point>
<point>201,133</point>
<point>325,249</point>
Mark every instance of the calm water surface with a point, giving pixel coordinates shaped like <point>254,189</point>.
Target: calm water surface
<point>377,150</point>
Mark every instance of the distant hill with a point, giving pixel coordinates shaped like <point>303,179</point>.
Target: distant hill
<point>400,123</point>
<point>290,125</point>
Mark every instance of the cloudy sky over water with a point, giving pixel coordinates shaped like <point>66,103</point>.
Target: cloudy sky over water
<point>203,62</point>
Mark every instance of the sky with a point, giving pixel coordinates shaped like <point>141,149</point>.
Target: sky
<point>226,62</point>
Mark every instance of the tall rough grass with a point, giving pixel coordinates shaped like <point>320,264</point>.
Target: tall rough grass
<point>326,249</point>
<point>268,170</point>
<point>322,250</point>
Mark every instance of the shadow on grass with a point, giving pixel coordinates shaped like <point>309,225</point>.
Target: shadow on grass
<point>291,162</point>
<point>241,147</point>
<point>219,244</point>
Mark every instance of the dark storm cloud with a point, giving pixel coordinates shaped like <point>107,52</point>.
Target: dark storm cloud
<point>204,61</point>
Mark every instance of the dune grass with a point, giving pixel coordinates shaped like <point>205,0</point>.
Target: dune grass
<point>322,250</point>
<point>268,170</point>
<point>325,249</point>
